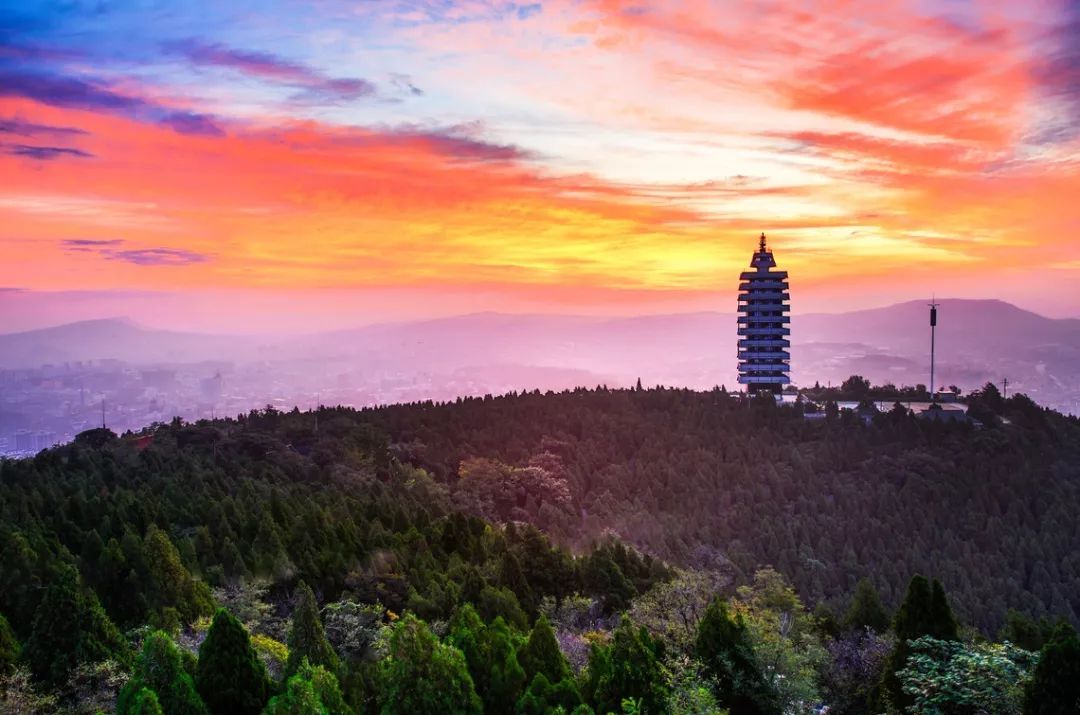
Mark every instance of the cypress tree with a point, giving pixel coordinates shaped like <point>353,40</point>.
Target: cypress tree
<point>70,628</point>
<point>307,639</point>
<point>512,577</point>
<point>9,647</point>
<point>170,583</point>
<point>490,657</point>
<point>605,579</point>
<point>866,610</point>
<point>628,668</point>
<point>942,623</point>
<point>145,702</point>
<point>230,677</point>
<point>543,697</point>
<point>160,669</point>
<point>723,646</point>
<point>541,655</point>
<point>505,677</point>
<point>1055,685</point>
<point>425,677</point>
<point>924,612</point>
<point>314,690</point>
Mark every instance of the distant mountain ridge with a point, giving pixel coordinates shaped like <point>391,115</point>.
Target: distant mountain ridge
<point>110,339</point>
<point>978,340</point>
<point>985,322</point>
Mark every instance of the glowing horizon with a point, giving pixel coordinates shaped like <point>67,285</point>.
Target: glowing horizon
<point>293,160</point>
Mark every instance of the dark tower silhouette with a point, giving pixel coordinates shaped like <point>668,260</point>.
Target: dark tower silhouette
<point>933,334</point>
<point>763,324</point>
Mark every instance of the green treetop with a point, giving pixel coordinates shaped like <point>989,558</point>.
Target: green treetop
<point>629,668</point>
<point>230,677</point>
<point>9,647</point>
<point>491,657</point>
<point>307,639</point>
<point>425,677</point>
<point>1055,686</point>
<point>160,669</point>
<point>313,690</point>
<point>145,702</point>
<point>172,592</point>
<point>725,650</point>
<point>71,628</point>
<point>925,611</point>
<point>866,610</point>
<point>541,655</point>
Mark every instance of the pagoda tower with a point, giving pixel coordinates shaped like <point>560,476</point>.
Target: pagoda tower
<point>764,324</point>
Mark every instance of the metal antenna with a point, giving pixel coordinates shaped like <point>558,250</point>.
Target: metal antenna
<point>102,413</point>
<point>1005,388</point>
<point>933,329</point>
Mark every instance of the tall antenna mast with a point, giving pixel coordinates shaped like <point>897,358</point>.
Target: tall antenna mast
<point>102,413</point>
<point>933,328</point>
<point>1005,388</point>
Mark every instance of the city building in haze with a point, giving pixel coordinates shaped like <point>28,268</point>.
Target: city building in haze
<point>764,332</point>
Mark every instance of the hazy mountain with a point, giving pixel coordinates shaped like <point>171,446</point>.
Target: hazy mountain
<point>965,325</point>
<point>114,338</point>
<point>978,340</point>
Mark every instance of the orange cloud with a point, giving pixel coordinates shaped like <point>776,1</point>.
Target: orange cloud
<point>641,148</point>
<point>297,204</point>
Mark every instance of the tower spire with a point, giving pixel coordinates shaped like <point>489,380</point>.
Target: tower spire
<point>764,324</point>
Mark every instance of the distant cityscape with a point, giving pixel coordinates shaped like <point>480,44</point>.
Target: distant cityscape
<point>41,407</point>
<point>141,376</point>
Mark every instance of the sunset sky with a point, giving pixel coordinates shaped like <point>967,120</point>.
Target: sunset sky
<point>272,165</point>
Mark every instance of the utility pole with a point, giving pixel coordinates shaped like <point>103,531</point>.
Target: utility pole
<point>1005,388</point>
<point>933,329</point>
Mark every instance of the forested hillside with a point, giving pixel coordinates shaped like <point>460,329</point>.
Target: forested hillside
<point>698,478</point>
<point>590,552</point>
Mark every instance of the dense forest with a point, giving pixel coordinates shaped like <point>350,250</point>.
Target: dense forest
<point>700,479</point>
<point>594,551</point>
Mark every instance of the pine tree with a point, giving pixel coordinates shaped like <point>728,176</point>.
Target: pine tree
<point>230,677</point>
<point>723,646</point>
<point>541,655</point>
<point>160,668</point>
<point>70,628</point>
<point>866,610</point>
<point>307,639</point>
<point>1055,685</point>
